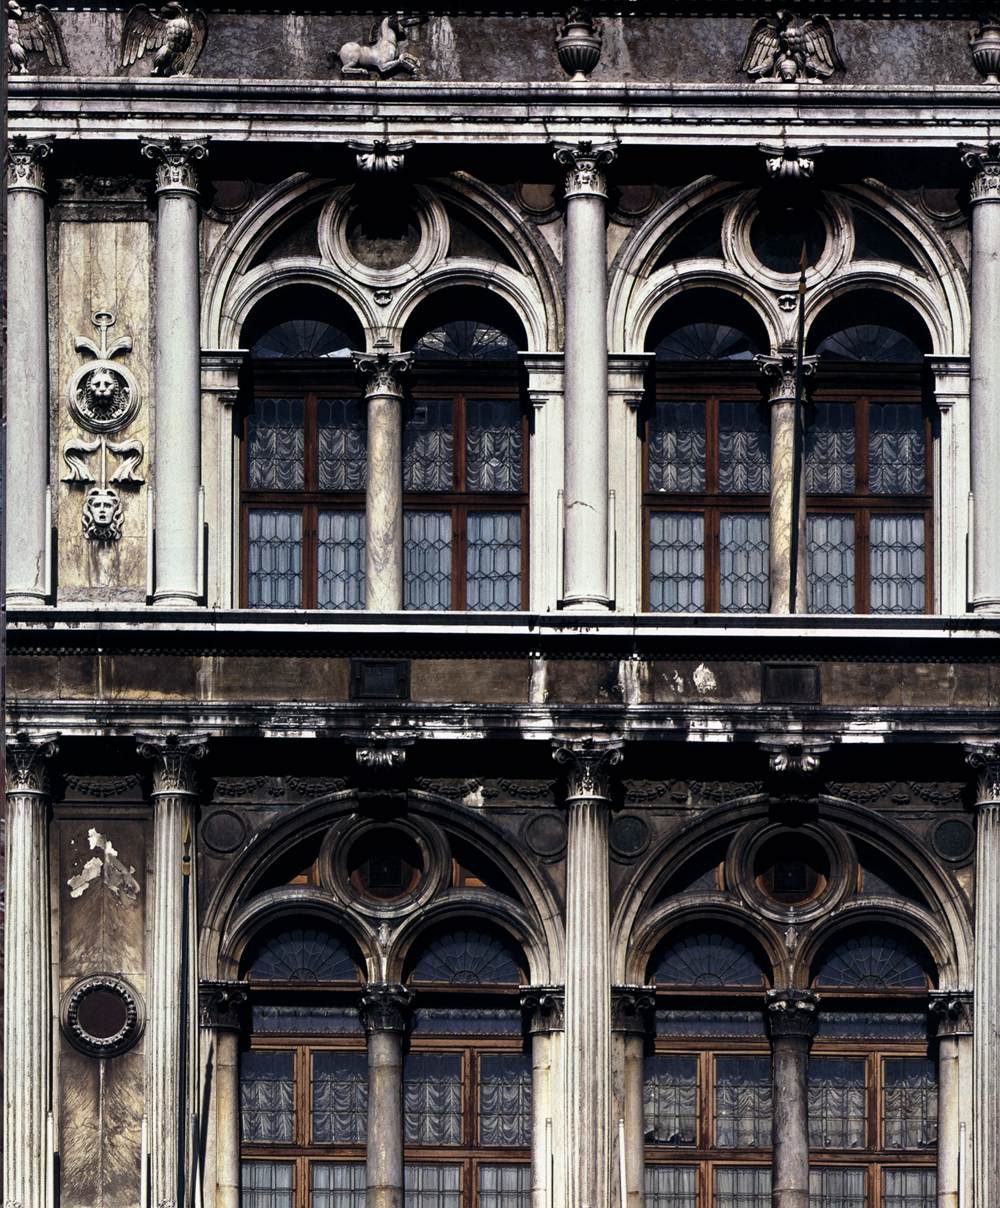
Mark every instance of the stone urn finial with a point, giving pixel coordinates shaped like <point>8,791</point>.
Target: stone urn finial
<point>985,46</point>
<point>578,44</point>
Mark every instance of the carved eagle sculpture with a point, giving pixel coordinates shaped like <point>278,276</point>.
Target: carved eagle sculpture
<point>32,29</point>
<point>175,33</point>
<point>780,48</point>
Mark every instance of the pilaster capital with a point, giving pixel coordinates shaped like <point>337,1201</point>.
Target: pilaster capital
<point>24,163</point>
<point>176,160</point>
<point>953,1011</point>
<point>220,1004</point>
<point>385,1007</point>
<point>632,1009</point>
<point>221,369</point>
<point>984,757</point>
<point>781,368</point>
<point>588,764</point>
<point>383,372</point>
<point>984,161</point>
<point>792,1014</point>
<point>26,754</point>
<point>585,162</point>
<point>173,758</point>
<point>544,1008</point>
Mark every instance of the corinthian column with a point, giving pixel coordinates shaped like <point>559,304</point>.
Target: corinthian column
<point>171,961</point>
<point>585,563</point>
<point>985,759</point>
<point>220,1011</point>
<point>384,1013</point>
<point>791,1015</point>
<point>27,1070</point>
<point>383,372</point>
<point>27,372</point>
<point>985,374</point>
<point>788,481</point>
<point>953,1011</point>
<point>588,970</point>
<point>178,371</point>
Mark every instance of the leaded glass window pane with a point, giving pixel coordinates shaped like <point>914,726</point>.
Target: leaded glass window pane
<point>830,449</point>
<point>830,563</point>
<point>911,1188</point>
<point>467,958</point>
<point>504,1186</point>
<point>708,958</point>
<point>341,560</point>
<point>671,1187</point>
<point>493,561</point>
<point>343,451</point>
<point>677,447</point>
<point>670,1100</point>
<point>465,340</point>
<point>275,558</point>
<point>340,1097</point>
<point>276,444</point>
<point>909,1103</point>
<point>432,1098</point>
<point>431,1186</point>
<point>744,449</point>
<point>493,445</point>
<point>302,339</point>
<point>505,1100</point>
<point>676,562</point>
<point>267,1096</point>
<point>744,562</point>
<point>898,564</point>
<point>306,954</point>
<point>896,449</point>
<point>837,1102</point>
<point>872,962</point>
<point>427,560</point>
<point>743,1102</point>
<point>428,445</point>
<point>267,1185</point>
<point>338,1185</point>
<point>831,1188</point>
<point>742,1187</point>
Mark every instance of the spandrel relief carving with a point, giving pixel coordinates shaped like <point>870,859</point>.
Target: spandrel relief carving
<point>381,54</point>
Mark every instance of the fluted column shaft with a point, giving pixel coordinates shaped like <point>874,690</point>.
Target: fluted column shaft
<point>178,372</point>
<point>985,375</point>
<point>384,1013</point>
<point>383,372</point>
<point>792,1019</point>
<point>173,800</point>
<point>27,373</point>
<point>588,973</point>
<point>585,562</point>
<point>27,1071</point>
<point>220,1007</point>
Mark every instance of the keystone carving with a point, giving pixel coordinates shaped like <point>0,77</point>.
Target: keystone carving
<point>385,1007</point>
<point>381,54</point>
<point>585,163</point>
<point>32,29</point>
<point>985,163</point>
<point>175,33</point>
<point>792,1013</point>
<point>26,755</point>
<point>588,765</point>
<point>24,163</point>
<point>380,156</point>
<point>795,758</point>
<point>544,1008</point>
<point>173,758</point>
<point>787,51</point>
<point>790,163</point>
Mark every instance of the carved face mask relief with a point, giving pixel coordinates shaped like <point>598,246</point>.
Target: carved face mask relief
<point>102,515</point>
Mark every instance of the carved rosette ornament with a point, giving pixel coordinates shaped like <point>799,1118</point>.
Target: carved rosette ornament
<point>173,758</point>
<point>176,163</point>
<point>383,372</point>
<point>26,755</point>
<point>782,372</point>
<point>632,1009</point>
<point>953,1012</point>
<point>122,1009</point>
<point>221,1003</point>
<point>385,1007</point>
<point>585,163</point>
<point>792,1013</point>
<point>588,766</point>
<point>24,163</point>
<point>544,1008</point>
<point>984,161</point>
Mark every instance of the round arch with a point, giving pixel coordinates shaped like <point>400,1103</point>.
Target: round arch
<point>465,910</point>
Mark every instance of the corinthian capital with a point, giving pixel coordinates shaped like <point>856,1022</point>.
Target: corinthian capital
<point>985,163</point>
<point>588,765</point>
<point>24,163</point>
<point>26,754</point>
<point>176,161</point>
<point>782,372</point>
<point>952,1009</point>
<point>173,758</point>
<point>385,1007</point>
<point>585,163</point>
<point>984,757</point>
<point>383,371</point>
<point>220,1004</point>
<point>792,1014</point>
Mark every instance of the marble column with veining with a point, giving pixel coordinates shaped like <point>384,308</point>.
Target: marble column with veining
<point>177,380</point>
<point>631,1023</point>
<point>585,557</point>
<point>952,1010</point>
<point>385,1015</point>
<point>791,1016</point>
<point>383,372</point>
<point>27,1040</point>
<point>544,1009</point>
<point>588,1149</point>
<point>788,481</point>
<point>27,373</point>
<point>985,759</point>
<point>172,958</point>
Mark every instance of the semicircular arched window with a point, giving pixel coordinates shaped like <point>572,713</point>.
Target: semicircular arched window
<point>872,343</point>
<point>708,958</point>
<point>706,341</point>
<point>465,340</point>
<point>301,954</point>
<point>873,961</point>
<point>302,339</point>
<point>467,957</point>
